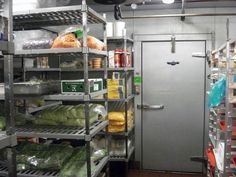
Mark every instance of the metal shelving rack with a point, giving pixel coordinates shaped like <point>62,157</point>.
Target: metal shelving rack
<point>70,15</point>
<point>127,73</point>
<point>222,139</point>
<point>8,138</point>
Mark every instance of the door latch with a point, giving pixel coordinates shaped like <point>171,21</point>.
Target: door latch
<point>150,107</point>
<point>173,63</point>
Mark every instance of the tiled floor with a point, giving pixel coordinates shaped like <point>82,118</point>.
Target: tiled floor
<point>134,173</point>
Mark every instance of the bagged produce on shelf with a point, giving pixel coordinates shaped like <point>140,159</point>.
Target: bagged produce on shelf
<point>36,87</point>
<point>95,43</point>
<point>34,103</point>
<point>118,146</point>
<point>98,155</point>
<point>42,157</point>
<point>72,38</point>
<point>69,115</point>
<point>75,64</point>
<point>116,88</point>
<point>2,123</point>
<point>117,121</point>
<point>66,41</point>
<point>76,166</point>
<point>20,119</point>
<point>37,43</point>
<point>98,145</point>
<point>217,93</point>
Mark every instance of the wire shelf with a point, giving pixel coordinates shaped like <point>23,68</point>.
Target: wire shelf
<point>37,173</point>
<point>74,52</point>
<point>60,132</point>
<point>56,16</point>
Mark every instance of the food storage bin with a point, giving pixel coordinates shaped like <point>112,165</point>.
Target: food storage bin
<point>36,88</point>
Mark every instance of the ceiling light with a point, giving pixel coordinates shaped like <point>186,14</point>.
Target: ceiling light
<point>168,1</point>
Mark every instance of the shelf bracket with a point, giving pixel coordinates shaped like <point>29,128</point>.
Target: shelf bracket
<point>85,50</point>
<point>87,138</point>
<point>84,7</point>
<point>86,97</point>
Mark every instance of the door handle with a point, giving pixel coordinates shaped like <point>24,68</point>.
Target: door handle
<point>150,107</point>
<point>173,63</point>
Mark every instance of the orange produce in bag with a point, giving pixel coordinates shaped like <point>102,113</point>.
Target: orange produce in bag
<point>66,41</point>
<point>94,43</point>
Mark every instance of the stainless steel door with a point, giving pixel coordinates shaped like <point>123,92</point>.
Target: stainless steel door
<point>175,133</point>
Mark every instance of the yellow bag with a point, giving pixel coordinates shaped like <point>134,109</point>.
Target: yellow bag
<point>115,129</point>
<point>116,123</point>
<point>115,82</point>
<point>116,116</point>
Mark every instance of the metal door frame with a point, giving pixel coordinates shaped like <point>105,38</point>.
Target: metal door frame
<point>142,91</point>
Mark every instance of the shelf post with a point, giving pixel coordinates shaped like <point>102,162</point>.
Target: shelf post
<point>86,84</point>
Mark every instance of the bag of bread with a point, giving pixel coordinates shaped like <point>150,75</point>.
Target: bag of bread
<point>66,41</point>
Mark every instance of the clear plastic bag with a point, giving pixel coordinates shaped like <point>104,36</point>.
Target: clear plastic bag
<point>66,41</point>
<point>38,43</point>
<point>217,93</point>
<point>98,145</point>
<point>70,115</point>
<point>42,157</point>
<point>76,166</point>
<point>95,43</point>
<point>118,146</point>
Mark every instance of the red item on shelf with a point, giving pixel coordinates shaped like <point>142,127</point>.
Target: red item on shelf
<point>211,158</point>
<point>222,127</point>
<point>117,58</point>
<point>125,62</point>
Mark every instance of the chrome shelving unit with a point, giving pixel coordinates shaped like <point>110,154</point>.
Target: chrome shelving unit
<point>74,52</point>
<point>35,173</point>
<point>99,69</point>
<point>60,16</point>
<point>222,125</point>
<point>123,104</point>
<point>61,132</point>
<point>8,138</point>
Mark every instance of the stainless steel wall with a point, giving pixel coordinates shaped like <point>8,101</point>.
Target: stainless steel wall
<point>162,29</point>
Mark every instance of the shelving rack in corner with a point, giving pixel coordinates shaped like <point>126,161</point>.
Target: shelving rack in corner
<point>8,138</point>
<point>59,16</point>
<point>123,104</point>
<point>222,130</point>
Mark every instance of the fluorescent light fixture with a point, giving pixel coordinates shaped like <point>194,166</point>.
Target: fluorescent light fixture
<point>168,1</point>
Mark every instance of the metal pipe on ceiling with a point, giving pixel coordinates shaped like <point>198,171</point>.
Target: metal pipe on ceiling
<point>118,15</point>
<point>183,10</point>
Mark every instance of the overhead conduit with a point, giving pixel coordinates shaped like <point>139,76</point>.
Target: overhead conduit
<point>118,14</point>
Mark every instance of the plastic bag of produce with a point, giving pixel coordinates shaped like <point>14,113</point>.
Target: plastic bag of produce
<point>118,146</point>
<point>113,129</point>
<point>37,43</point>
<point>2,123</point>
<point>98,155</point>
<point>76,166</point>
<point>94,43</point>
<point>66,41</point>
<point>217,93</point>
<point>70,115</point>
<point>116,123</point>
<point>78,31</point>
<point>116,116</point>
<point>42,157</point>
